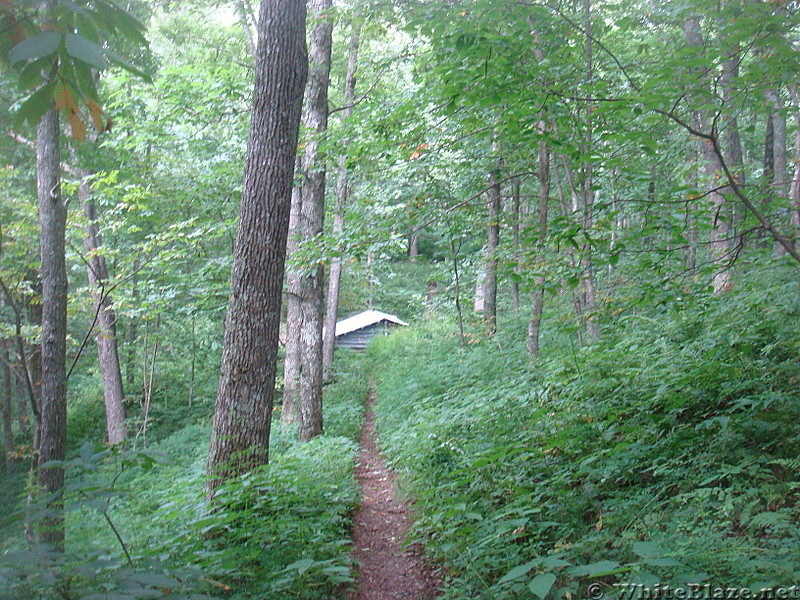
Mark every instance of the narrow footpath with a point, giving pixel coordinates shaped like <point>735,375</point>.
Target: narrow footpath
<point>387,570</point>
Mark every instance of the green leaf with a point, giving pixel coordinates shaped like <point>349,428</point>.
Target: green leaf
<point>662,562</point>
<point>31,75</point>
<point>603,567</point>
<point>86,51</point>
<point>541,584</point>
<point>302,565</point>
<point>646,549</point>
<point>33,109</point>
<point>35,47</point>
<point>517,572</point>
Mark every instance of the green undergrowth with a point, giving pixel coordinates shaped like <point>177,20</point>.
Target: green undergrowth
<point>279,531</point>
<point>666,453</point>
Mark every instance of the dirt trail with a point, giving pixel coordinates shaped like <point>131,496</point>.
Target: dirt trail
<point>388,571</point>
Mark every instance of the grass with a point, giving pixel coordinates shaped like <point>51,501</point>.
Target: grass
<point>665,453</point>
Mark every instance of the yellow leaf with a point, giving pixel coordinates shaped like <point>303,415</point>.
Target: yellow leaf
<point>77,126</point>
<point>61,98</point>
<point>97,115</point>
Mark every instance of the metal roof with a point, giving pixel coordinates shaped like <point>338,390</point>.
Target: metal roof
<point>365,319</point>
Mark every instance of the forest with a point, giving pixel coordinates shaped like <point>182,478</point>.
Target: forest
<point>581,219</point>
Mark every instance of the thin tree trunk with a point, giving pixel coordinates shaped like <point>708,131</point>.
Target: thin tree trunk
<point>515,208</point>
<point>413,246</point>
<point>291,360</point>
<point>148,372</point>
<point>780,179</point>
<point>106,337</point>
<point>587,192</point>
<point>794,192</point>
<point>241,427</point>
<point>194,361</point>
<point>247,29</point>
<point>370,279</point>
<point>492,243</point>
<point>534,325</point>
<point>733,143</point>
<point>8,416</point>
<point>342,191</point>
<point>457,283</point>
<point>719,242</point>
<point>133,328</point>
<point>52,242</point>
<point>567,211</point>
<point>312,215</point>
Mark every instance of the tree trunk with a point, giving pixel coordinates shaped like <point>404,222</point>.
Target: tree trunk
<point>780,179</point>
<point>534,325</point>
<point>342,191</point>
<point>244,20</point>
<point>733,144</point>
<point>312,215</point>
<point>515,208</point>
<point>587,192</point>
<point>794,192</point>
<point>492,243</point>
<point>241,427</point>
<point>106,337</point>
<point>719,242</point>
<point>133,329</point>
<point>413,246</point>
<point>291,360</point>
<point>457,291</point>
<point>52,242</point>
<point>8,417</point>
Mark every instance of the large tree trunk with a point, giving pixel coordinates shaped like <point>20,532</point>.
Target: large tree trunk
<point>342,191</point>
<point>53,407</point>
<point>492,242</point>
<point>312,215</point>
<point>106,337</point>
<point>241,427</point>
<point>719,239</point>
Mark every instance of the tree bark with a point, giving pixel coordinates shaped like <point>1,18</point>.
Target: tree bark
<point>291,360</point>
<point>242,419</point>
<point>719,242</point>
<point>587,192</point>
<point>342,192</point>
<point>492,243</point>
<point>53,403</point>
<point>794,192</point>
<point>780,179</point>
<point>312,215</point>
<point>106,337</point>
<point>733,142</point>
<point>244,20</point>
<point>133,329</point>
<point>534,325</point>
<point>8,417</point>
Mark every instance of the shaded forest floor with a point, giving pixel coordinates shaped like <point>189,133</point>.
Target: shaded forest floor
<point>388,569</point>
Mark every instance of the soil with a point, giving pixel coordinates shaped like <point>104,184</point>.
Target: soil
<point>388,571</point>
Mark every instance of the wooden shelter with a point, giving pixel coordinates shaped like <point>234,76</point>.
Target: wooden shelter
<point>355,332</point>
